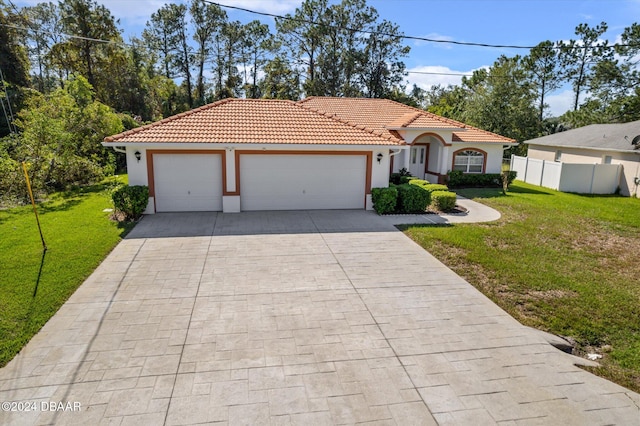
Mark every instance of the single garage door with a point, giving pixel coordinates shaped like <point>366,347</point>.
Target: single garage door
<point>187,182</point>
<point>302,182</point>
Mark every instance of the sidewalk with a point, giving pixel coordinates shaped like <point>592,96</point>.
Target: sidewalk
<point>476,213</point>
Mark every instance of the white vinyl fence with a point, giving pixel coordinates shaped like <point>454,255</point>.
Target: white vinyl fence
<point>568,177</point>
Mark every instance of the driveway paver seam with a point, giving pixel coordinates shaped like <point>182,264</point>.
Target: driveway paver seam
<point>375,320</point>
<point>87,351</point>
<point>189,323</point>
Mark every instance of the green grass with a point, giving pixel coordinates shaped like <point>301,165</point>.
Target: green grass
<point>565,263</point>
<point>34,284</point>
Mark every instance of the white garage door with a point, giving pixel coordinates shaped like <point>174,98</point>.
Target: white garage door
<point>187,182</point>
<point>302,182</point>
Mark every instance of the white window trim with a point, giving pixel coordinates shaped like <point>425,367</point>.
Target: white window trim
<point>468,162</point>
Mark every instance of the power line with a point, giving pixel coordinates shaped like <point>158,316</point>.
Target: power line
<point>66,35</point>
<point>307,21</point>
<point>430,40</point>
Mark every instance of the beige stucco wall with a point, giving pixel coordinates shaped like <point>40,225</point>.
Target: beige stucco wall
<point>630,162</point>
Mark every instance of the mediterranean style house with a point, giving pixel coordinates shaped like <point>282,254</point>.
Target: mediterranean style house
<point>319,153</point>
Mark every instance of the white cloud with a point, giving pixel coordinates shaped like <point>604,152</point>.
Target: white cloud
<point>560,103</point>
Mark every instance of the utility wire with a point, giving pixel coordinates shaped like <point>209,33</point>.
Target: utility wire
<point>431,40</point>
<point>308,21</point>
<point>66,35</point>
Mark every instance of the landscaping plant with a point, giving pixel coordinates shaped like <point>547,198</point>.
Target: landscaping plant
<point>131,201</point>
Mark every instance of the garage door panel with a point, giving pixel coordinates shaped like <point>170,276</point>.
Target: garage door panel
<point>187,182</point>
<point>301,182</point>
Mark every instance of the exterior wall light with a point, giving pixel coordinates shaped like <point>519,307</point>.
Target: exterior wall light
<point>138,155</point>
<point>379,157</point>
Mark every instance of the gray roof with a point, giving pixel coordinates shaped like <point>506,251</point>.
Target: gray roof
<point>610,137</point>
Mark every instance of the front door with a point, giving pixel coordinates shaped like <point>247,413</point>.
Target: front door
<point>417,160</point>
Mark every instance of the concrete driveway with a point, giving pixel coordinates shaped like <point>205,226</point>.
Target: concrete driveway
<point>324,317</point>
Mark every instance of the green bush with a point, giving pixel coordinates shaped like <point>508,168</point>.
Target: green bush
<point>457,179</point>
<point>403,176</point>
<point>428,186</point>
<point>412,199</point>
<point>384,199</point>
<point>13,187</point>
<point>443,200</point>
<point>131,200</point>
<point>74,170</point>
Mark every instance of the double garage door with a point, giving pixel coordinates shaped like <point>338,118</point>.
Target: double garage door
<point>193,182</point>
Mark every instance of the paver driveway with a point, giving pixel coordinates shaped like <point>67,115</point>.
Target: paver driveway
<point>293,318</point>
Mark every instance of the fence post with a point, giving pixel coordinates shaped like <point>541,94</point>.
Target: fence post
<point>593,175</point>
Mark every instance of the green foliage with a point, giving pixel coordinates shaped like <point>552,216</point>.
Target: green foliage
<point>384,199</point>
<point>280,80</point>
<point>577,62</point>
<point>13,188</point>
<point>131,200</point>
<point>542,63</point>
<point>412,199</point>
<point>502,100</point>
<point>14,61</point>
<point>506,178</point>
<point>443,200</point>
<point>61,139</point>
<point>430,187</point>
<point>458,179</point>
<point>402,176</point>
<point>33,285</point>
<point>337,61</point>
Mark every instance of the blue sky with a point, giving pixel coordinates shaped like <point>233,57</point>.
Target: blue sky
<point>512,22</point>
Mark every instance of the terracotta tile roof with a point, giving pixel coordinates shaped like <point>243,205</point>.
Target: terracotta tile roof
<point>256,121</point>
<point>385,115</point>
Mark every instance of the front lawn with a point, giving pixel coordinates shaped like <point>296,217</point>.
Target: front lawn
<point>34,285</point>
<point>565,263</point>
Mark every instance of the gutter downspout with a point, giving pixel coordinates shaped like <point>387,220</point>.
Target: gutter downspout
<point>393,154</point>
<point>119,149</point>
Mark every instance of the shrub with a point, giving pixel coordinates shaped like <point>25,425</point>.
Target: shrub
<point>131,200</point>
<point>13,188</point>
<point>412,199</point>
<point>74,170</point>
<point>403,176</point>
<point>457,179</point>
<point>430,187</point>
<point>507,178</point>
<point>384,199</point>
<point>443,200</point>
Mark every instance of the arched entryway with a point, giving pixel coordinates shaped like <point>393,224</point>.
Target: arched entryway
<point>425,157</point>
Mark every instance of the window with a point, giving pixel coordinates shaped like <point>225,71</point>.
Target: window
<point>469,161</point>
<point>422,155</point>
<point>606,159</point>
<point>558,156</point>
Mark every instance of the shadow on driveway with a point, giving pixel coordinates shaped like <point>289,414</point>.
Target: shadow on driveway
<point>164,225</point>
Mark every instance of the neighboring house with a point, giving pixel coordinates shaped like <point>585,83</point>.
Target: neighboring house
<point>320,153</point>
<point>595,144</point>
